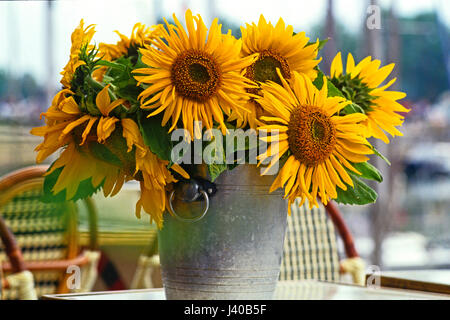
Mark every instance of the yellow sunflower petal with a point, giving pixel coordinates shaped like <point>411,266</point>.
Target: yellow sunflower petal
<point>336,66</point>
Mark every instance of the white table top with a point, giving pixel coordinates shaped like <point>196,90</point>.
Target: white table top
<point>292,290</point>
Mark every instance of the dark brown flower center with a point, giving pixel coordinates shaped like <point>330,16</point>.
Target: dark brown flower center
<point>265,68</point>
<point>196,75</point>
<point>311,135</point>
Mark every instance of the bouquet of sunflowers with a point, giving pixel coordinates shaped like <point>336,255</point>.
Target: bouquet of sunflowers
<point>120,103</point>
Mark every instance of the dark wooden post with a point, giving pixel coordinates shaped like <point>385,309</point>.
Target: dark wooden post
<point>12,250</point>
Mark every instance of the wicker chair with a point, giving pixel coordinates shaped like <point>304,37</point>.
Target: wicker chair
<point>47,234</point>
<point>310,247</point>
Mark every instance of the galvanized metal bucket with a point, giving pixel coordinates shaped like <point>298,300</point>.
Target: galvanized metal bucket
<point>234,251</point>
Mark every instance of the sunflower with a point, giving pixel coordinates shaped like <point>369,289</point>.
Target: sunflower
<point>155,178</point>
<point>68,127</point>
<point>320,144</point>
<point>71,116</point>
<point>62,118</point>
<point>361,83</point>
<point>278,47</point>
<point>81,37</point>
<point>154,175</point>
<point>79,164</point>
<point>140,36</point>
<point>53,128</point>
<point>194,76</point>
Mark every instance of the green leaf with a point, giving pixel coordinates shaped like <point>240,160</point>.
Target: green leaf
<point>378,154</point>
<point>332,90</point>
<point>120,76</point>
<point>353,108</point>
<point>156,137</point>
<point>215,170</point>
<point>101,152</point>
<point>368,171</point>
<point>318,83</point>
<point>322,43</point>
<point>139,64</point>
<point>49,183</point>
<point>214,156</point>
<point>129,91</point>
<point>111,65</point>
<point>361,194</point>
<point>85,188</point>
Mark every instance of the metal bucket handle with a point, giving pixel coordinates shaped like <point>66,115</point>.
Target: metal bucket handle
<point>192,190</point>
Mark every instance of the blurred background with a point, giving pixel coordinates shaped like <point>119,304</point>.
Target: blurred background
<point>409,226</point>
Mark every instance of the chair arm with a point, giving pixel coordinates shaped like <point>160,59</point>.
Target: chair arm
<point>11,179</point>
<point>12,250</point>
<point>89,271</point>
<point>24,283</point>
<point>356,267</point>
<point>142,278</point>
<point>343,230</point>
<point>353,265</point>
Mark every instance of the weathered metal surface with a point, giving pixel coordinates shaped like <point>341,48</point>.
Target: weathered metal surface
<point>235,251</point>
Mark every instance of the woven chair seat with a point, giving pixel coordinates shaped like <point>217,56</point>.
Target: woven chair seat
<point>310,248</point>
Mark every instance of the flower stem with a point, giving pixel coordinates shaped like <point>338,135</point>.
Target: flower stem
<point>100,86</point>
